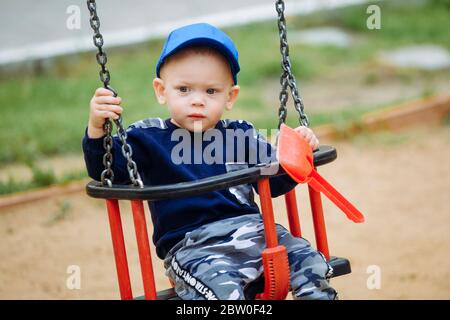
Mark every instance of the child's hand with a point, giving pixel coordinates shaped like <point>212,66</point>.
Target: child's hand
<point>309,135</point>
<point>103,106</point>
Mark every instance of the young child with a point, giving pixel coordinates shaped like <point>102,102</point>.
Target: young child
<point>212,243</point>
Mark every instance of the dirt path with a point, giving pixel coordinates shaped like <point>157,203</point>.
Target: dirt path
<point>402,189</point>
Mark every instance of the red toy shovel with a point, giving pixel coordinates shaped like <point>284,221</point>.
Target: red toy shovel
<point>296,158</point>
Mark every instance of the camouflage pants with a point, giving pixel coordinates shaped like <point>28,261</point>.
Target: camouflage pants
<point>222,260</point>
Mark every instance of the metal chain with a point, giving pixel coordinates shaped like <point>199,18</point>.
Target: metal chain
<point>107,176</point>
<point>284,96</point>
<point>287,77</point>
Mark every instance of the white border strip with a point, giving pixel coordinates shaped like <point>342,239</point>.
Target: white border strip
<point>145,33</point>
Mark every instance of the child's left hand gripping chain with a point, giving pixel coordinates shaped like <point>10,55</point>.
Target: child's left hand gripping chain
<point>309,136</point>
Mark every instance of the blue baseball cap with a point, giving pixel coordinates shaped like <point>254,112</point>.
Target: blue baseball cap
<point>200,34</point>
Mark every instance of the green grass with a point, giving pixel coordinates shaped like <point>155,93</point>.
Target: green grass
<point>45,114</point>
<point>447,121</point>
<point>402,22</point>
<point>40,178</point>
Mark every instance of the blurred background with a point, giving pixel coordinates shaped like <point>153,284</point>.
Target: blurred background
<point>375,80</point>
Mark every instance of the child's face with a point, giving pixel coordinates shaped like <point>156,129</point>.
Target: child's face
<point>197,88</point>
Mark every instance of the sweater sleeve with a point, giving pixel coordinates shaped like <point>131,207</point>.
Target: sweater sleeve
<point>93,157</point>
<point>261,150</point>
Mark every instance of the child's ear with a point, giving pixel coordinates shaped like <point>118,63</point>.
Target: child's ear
<point>232,96</point>
<point>159,88</point>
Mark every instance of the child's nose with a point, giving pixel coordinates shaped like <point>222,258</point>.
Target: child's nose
<point>198,99</point>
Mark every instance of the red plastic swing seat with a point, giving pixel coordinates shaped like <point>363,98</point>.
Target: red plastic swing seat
<point>275,283</point>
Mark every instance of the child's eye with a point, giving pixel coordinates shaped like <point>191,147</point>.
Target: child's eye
<point>183,89</point>
<point>211,91</point>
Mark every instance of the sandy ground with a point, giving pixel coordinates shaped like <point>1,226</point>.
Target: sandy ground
<point>402,188</point>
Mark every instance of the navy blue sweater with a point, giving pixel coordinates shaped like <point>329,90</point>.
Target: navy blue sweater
<point>164,156</point>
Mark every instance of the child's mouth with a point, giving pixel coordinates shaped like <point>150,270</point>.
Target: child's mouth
<point>196,116</point>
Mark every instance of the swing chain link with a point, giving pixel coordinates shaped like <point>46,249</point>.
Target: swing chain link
<point>107,176</point>
<point>287,77</point>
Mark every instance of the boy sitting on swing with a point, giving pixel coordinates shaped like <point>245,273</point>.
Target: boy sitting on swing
<point>216,238</point>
